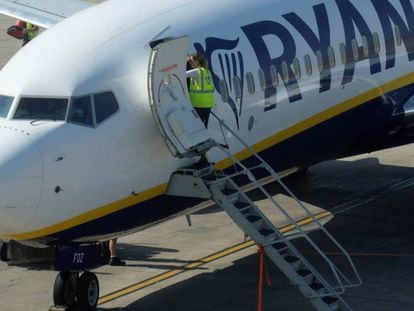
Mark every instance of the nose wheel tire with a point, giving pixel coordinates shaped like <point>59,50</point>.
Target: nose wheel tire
<point>88,291</point>
<point>64,291</point>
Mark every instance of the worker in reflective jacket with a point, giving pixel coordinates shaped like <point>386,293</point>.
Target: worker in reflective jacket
<point>30,31</point>
<point>201,86</point>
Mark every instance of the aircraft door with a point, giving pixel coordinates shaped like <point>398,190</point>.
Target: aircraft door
<point>179,124</point>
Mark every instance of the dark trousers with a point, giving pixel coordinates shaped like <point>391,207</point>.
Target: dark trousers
<point>204,114</point>
<point>25,39</point>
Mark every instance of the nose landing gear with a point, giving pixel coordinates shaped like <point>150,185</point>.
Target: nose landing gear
<point>75,287</point>
<point>73,291</point>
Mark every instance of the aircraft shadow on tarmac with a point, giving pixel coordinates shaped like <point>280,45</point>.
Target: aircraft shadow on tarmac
<point>145,256</point>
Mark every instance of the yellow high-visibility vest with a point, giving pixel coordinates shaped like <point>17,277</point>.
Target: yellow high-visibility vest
<point>202,90</point>
<point>31,34</point>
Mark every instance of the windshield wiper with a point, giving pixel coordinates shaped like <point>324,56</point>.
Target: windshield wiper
<point>41,119</point>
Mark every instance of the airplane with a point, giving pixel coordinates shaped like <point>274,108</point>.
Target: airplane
<point>95,115</point>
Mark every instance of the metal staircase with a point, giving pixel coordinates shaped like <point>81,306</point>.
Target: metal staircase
<point>322,289</point>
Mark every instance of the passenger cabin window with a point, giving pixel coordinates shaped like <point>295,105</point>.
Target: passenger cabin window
<point>319,60</point>
<point>5,103</point>
<point>273,73</point>
<point>237,87</point>
<point>308,64</point>
<point>342,50</point>
<point>224,91</point>
<point>296,68</point>
<point>331,57</point>
<point>262,79</point>
<point>365,46</point>
<point>355,49</point>
<point>251,88</point>
<point>41,108</point>
<point>105,105</point>
<point>398,37</point>
<point>377,46</point>
<point>285,72</point>
<point>80,111</point>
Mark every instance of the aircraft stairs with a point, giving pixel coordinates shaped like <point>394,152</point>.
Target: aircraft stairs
<point>322,291</point>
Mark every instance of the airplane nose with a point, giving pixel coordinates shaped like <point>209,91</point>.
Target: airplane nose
<point>21,173</point>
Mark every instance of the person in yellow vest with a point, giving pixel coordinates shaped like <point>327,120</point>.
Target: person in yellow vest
<point>201,91</point>
<point>201,86</point>
<point>29,31</point>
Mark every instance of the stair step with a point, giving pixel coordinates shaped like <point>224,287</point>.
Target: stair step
<point>294,261</point>
<point>307,275</point>
<point>266,232</point>
<point>231,194</point>
<point>318,288</point>
<point>304,272</point>
<point>332,302</point>
<point>229,191</point>
<point>280,247</point>
<point>241,205</point>
<point>253,218</point>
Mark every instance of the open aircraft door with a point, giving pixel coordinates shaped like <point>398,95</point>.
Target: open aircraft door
<point>179,124</point>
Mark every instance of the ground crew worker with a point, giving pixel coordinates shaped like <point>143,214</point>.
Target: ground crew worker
<point>201,91</point>
<point>30,31</point>
<point>114,260</point>
<point>201,86</point>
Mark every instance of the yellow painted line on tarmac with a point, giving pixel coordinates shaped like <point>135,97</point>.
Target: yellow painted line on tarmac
<point>198,263</point>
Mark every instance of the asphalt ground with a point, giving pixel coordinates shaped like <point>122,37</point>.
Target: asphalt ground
<point>209,267</point>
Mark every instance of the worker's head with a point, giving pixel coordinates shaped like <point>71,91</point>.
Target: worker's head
<point>198,60</point>
<point>20,23</point>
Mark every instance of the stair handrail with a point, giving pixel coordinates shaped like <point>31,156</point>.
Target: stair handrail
<point>332,266</point>
<point>277,178</point>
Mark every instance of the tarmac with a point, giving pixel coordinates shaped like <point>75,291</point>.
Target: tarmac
<point>209,267</point>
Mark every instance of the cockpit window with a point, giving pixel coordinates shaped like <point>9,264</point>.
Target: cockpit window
<point>41,108</point>
<point>91,110</point>
<point>105,105</point>
<point>5,103</point>
<point>80,111</point>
